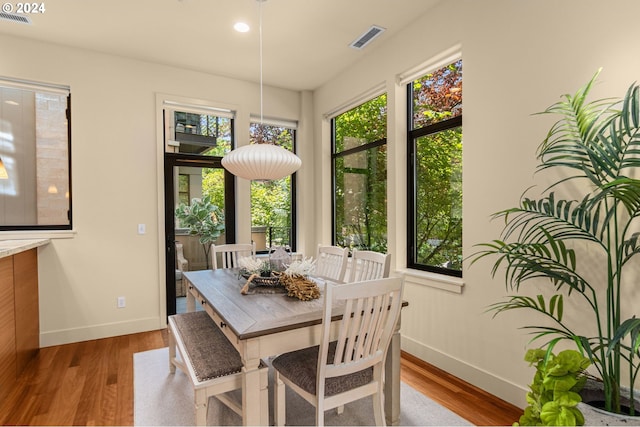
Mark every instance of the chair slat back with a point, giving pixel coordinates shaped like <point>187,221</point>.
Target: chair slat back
<point>331,262</point>
<point>370,312</point>
<point>369,265</point>
<point>230,253</point>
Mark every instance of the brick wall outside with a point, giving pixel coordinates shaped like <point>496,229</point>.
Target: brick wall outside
<point>52,159</point>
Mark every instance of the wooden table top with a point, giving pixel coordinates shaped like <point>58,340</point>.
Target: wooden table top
<point>257,314</point>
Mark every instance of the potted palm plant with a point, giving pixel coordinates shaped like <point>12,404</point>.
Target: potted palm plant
<point>555,238</point>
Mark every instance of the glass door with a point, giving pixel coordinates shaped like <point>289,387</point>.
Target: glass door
<point>199,193</point>
<point>199,210</point>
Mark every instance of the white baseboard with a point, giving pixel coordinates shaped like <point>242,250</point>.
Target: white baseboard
<point>497,386</point>
<point>86,333</point>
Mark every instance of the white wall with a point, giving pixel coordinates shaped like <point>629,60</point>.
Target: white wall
<point>117,171</point>
<point>518,58</point>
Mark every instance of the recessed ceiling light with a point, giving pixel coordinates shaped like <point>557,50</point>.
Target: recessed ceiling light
<point>241,27</point>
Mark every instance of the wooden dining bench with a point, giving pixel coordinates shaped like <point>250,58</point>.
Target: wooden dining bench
<point>209,359</point>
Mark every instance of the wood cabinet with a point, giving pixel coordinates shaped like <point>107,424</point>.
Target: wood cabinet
<point>25,279</point>
<point>19,316</point>
<point>7,328</point>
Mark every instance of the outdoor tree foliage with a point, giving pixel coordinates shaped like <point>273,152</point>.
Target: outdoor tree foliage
<point>213,178</point>
<point>437,97</point>
<point>213,185</point>
<point>361,176</point>
<point>271,200</point>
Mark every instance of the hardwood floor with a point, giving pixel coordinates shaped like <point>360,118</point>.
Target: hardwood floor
<point>87,383</point>
<point>91,383</point>
<point>471,403</point>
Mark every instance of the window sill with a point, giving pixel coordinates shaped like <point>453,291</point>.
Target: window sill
<point>37,234</point>
<point>433,280</point>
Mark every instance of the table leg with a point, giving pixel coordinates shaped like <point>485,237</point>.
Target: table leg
<point>392,381</point>
<point>255,397</point>
<point>191,299</point>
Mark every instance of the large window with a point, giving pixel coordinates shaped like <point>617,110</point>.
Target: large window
<point>435,171</point>
<point>35,160</point>
<point>360,176</point>
<point>272,216</point>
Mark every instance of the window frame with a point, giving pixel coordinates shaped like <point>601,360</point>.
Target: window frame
<point>35,86</point>
<point>412,136</point>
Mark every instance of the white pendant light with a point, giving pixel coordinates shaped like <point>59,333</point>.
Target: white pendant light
<point>263,161</point>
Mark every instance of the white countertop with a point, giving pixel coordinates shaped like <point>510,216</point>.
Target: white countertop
<point>12,247</point>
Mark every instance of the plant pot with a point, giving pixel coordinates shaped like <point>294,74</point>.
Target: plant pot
<point>593,392</point>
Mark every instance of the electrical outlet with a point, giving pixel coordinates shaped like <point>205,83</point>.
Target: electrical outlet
<point>122,302</point>
<point>142,228</point>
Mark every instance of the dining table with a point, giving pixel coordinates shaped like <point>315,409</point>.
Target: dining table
<point>265,322</point>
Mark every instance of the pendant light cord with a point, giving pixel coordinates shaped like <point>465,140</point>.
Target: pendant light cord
<point>260,36</point>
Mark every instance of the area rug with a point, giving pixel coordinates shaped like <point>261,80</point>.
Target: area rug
<point>165,399</point>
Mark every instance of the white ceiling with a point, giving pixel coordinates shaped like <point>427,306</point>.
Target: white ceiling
<point>305,42</point>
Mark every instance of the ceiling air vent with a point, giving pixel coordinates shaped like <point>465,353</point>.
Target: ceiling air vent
<point>367,37</point>
<point>15,18</point>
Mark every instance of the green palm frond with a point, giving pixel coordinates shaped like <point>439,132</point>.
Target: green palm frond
<point>551,260</point>
<point>594,138</point>
<point>562,219</point>
<point>631,328</point>
<point>572,141</point>
<point>554,309</point>
<point>631,247</point>
<point>625,191</point>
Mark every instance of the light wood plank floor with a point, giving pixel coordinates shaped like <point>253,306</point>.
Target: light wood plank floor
<point>91,383</point>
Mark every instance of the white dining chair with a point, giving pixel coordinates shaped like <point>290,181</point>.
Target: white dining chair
<point>331,262</point>
<point>182,265</point>
<point>338,372</point>
<point>368,265</point>
<point>229,254</point>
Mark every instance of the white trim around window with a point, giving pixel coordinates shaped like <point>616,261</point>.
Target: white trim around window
<point>270,121</point>
<point>372,93</point>
<point>198,109</point>
<point>444,58</point>
<point>33,86</point>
